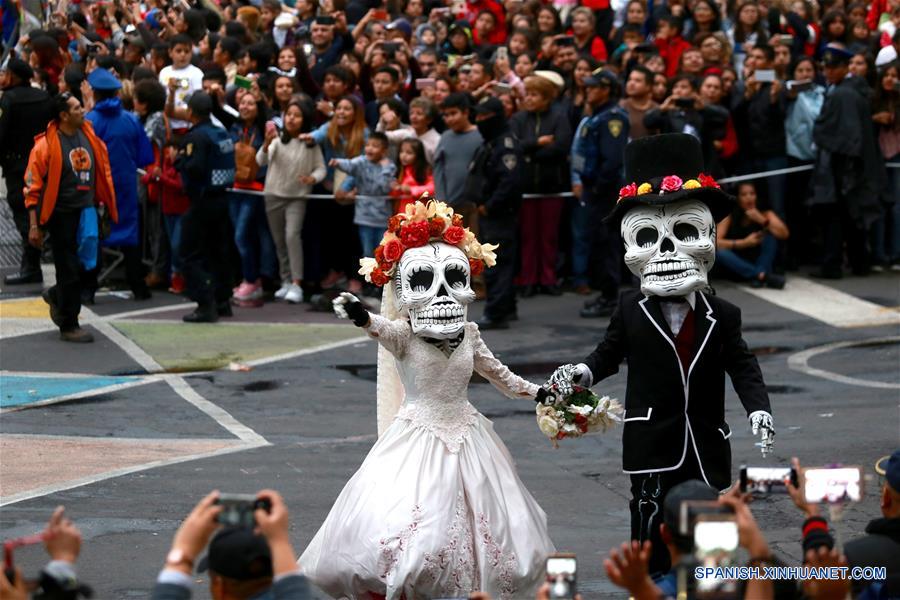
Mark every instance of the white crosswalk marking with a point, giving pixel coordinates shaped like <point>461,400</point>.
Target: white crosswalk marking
<point>827,304</point>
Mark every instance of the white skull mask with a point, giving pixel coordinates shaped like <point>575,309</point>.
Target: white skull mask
<point>433,284</point>
<point>670,247</point>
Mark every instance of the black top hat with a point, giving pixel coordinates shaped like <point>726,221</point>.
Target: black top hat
<point>662,169</point>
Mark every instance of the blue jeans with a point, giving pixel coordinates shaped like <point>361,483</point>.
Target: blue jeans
<point>584,221</point>
<point>173,229</point>
<point>369,238</point>
<point>252,236</point>
<point>743,267</point>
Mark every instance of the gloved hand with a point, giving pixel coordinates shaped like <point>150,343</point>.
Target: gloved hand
<point>564,378</point>
<point>761,423</point>
<point>348,306</point>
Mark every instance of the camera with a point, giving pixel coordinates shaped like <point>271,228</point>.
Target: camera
<point>767,480</point>
<point>684,103</point>
<point>832,485</point>
<point>562,571</point>
<point>238,509</point>
<point>800,85</point>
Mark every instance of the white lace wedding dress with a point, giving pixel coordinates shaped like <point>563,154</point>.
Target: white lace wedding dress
<point>436,510</point>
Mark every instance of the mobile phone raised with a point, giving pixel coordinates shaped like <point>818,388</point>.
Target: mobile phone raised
<point>562,572</point>
<point>767,480</point>
<point>238,509</point>
<point>832,485</point>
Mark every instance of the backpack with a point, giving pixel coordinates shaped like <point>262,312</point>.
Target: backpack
<point>245,160</point>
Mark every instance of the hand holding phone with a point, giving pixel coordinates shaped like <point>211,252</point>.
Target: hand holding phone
<point>832,485</point>
<point>238,509</point>
<point>767,480</point>
<point>764,75</point>
<point>562,571</point>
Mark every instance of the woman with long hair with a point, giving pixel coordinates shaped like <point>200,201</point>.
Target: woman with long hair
<point>715,49</point>
<point>293,168</point>
<point>281,91</point>
<point>247,210</point>
<point>834,30</point>
<point>705,18</point>
<point>548,21</point>
<point>414,176</point>
<point>746,32</point>
<point>332,244</point>
<point>577,93</point>
<point>886,115</point>
<point>587,42</point>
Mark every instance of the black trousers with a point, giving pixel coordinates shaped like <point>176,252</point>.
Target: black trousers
<point>648,492</point>
<point>204,249</point>
<point>498,280</point>
<point>606,246</point>
<point>838,229</point>
<point>15,181</point>
<point>134,270</point>
<point>66,294</point>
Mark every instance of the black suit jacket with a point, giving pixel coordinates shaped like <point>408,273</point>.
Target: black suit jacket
<point>668,412</point>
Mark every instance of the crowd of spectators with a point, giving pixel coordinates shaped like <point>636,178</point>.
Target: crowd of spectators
<point>343,111</point>
<point>258,561</point>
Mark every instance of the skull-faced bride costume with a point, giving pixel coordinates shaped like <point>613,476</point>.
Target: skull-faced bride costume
<point>436,509</point>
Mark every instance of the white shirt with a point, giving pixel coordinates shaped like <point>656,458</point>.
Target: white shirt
<point>676,312</point>
<point>194,78</point>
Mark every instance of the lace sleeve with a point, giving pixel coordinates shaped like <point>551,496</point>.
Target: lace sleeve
<point>393,335</point>
<point>489,367</point>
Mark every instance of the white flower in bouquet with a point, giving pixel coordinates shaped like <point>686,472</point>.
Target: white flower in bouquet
<point>548,426</point>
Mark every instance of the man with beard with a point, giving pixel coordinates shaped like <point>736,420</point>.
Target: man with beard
<point>494,184</point>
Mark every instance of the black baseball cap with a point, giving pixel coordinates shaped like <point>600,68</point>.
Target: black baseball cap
<point>835,56</point>
<point>601,77</point>
<point>238,553</point>
<point>488,105</point>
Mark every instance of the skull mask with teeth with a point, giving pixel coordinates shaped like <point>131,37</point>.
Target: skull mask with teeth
<point>670,247</point>
<point>433,284</point>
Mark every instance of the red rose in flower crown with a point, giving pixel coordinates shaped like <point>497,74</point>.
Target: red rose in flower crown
<point>436,227</point>
<point>415,234</point>
<point>392,250</point>
<point>378,277</point>
<point>379,253</point>
<point>454,235</point>
<point>707,181</point>
<point>628,191</point>
<point>395,222</point>
<point>476,266</point>
<point>671,183</point>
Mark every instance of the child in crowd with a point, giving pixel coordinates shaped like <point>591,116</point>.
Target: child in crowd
<point>293,168</point>
<point>164,182</point>
<point>372,174</point>
<point>414,176</point>
<point>185,77</point>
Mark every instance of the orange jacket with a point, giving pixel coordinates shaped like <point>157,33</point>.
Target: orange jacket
<point>45,169</point>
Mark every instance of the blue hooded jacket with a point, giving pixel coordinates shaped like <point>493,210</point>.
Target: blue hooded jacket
<point>129,149</point>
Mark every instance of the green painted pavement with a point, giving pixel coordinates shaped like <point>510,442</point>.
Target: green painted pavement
<point>182,347</point>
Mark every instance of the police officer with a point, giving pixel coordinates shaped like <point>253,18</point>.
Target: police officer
<point>206,163</point>
<point>597,153</point>
<point>494,185</point>
<point>24,113</point>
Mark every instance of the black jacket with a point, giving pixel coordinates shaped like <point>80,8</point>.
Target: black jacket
<point>495,176</point>
<point>760,123</point>
<point>24,112</point>
<point>546,167</point>
<point>668,413</point>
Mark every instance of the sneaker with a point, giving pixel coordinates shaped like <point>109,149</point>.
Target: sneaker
<point>76,336</point>
<point>248,291</point>
<point>283,290</point>
<point>294,294</point>
<point>177,286</point>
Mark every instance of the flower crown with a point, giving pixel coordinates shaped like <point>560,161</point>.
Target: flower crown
<point>421,223</point>
<point>668,184</point>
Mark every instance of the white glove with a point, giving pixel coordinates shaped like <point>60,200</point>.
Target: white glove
<point>348,306</point>
<point>564,378</point>
<point>761,423</point>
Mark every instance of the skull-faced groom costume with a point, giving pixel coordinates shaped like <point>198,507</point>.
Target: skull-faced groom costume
<point>678,340</point>
<point>436,510</point>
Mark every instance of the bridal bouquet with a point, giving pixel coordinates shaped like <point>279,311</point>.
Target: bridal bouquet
<point>577,414</point>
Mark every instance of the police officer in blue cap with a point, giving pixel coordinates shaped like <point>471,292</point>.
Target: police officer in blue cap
<point>206,164</point>
<point>129,149</point>
<point>848,172</point>
<point>597,151</point>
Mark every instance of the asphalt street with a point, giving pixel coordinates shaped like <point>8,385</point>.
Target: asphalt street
<point>302,418</point>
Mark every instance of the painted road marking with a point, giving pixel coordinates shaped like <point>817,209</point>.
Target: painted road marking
<point>20,391</point>
<point>800,362</point>
<point>827,304</point>
<point>30,308</point>
<point>217,413</point>
<point>32,464</point>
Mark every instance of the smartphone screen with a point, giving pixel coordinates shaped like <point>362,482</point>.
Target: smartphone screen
<point>765,75</point>
<point>766,480</point>
<point>237,510</point>
<point>424,83</point>
<point>843,484</point>
<point>380,15</point>
<point>715,539</point>
<point>562,574</point>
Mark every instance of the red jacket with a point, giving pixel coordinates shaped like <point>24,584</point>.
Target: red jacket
<point>671,49</point>
<point>167,188</point>
<point>416,189</point>
<point>473,7</point>
<point>44,170</point>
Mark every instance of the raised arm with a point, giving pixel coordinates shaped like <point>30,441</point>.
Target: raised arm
<point>488,366</point>
<point>393,335</point>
